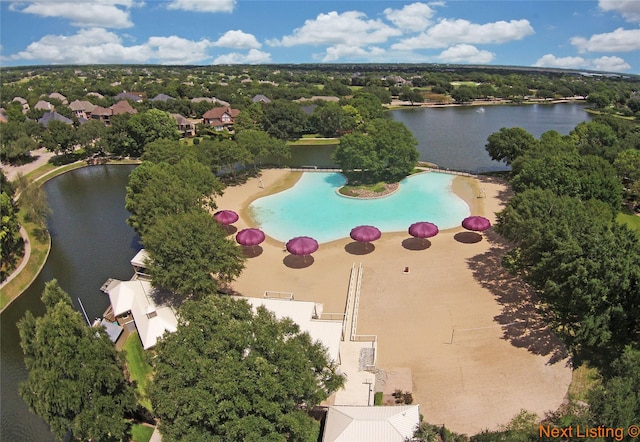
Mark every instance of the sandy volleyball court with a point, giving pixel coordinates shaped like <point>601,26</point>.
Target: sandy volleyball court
<point>466,329</point>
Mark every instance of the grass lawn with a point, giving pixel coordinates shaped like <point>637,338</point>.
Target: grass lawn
<point>139,369</point>
<point>583,379</point>
<point>141,433</point>
<point>373,188</point>
<point>313,142</point>
<point>632,221</point>
<point>39,252</point>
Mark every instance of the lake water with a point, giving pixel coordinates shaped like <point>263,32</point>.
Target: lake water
<point>455,137</point>
<point>90,243</point>
<point>313,208</point>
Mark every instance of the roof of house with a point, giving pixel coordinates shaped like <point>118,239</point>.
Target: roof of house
<point>20,100</point>
<point>304,313</point>
<point>210,100</point>
<point>261,98</point>
<point>123,107</point>
<point>81,105</point>
<point>99,110</point>
<point>152,320</point>
<point>50,116</point>
<point>162,97</point>
<point>95,94</point>
<point>321,98</point>
<point>181,120</point>
<point>358,423</point>
<point>43,105</point>
<point>58,96</point>
<point>217,112</point>
<point>141,258</point>
<point>128,96</point>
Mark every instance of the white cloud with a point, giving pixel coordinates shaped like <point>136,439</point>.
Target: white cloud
<point>337,52</point>
<point>178,50</point>
<point>99,13</point>
<point>238,40</point>
<point>99,46</point>
<point>254,56</point>
<point>351,27</point>
<point>204,5</point>
<point>630,9</point>
<point>551,61</point>
<point>451,32</point>
<point>87,46</point>
<point>608,64</point>
<point>464,53</point>
<point>413,18</point>
<point>620,40</point>
<point>611,64</point>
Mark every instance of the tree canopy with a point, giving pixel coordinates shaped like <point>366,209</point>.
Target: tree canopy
<point>190,254</point>
<point>157,189</point>
<point>229,373</point>
<point>76,381</point>
<point>387,152</point>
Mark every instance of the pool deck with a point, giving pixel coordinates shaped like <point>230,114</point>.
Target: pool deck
<point>464,330</point>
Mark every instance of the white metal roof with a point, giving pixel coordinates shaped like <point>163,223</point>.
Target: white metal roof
<point>151,320</point>
<point>328,333</point>
<point>371,424</point>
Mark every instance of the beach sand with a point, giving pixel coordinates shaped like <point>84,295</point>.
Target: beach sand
<point>465,329</point>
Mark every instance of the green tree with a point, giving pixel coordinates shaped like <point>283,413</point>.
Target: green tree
<point>616,402</point>
<point>284,120</point>
<point>396,147</point>
<point>229,373</point>
<point>261,145</point>
<point>59,137</point>
<point>464,94</point>
<point>509,143</point>
<point>596,138</point>
<point>190,254</point>
<point>89,135</point>
<point>75,381</point>
<point>152,125</point>
<point>570,174</point>
<point>168,151</point>
<point>11,244</point>
<point>369,105</point>
<point>157,189</point>
<point>357,157</point>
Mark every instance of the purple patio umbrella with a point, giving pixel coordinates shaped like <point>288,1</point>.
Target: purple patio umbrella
<point>476,223</point>
<point>250,237</point>
<point>226,217</point>
<point>423,229</point>
<point>302,246</point>
<point>365,233</point>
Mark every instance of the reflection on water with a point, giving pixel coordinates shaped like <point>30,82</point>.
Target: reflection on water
<point>90,243</point>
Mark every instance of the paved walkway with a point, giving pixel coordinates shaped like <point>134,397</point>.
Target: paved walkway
<point>41,156</point>
<point>25,259</point>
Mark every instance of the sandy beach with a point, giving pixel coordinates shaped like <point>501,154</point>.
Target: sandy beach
<point>465,329</point>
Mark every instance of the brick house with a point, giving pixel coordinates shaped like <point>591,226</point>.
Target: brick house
<point>220,118</point>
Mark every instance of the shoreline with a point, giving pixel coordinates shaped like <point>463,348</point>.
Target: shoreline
<point>456,286</point>
<point>397,104</point>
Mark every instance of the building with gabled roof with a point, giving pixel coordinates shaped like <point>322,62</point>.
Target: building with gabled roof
<point>82,109</point>
<point>44,105</point>
<point>220,117</point>
<point>185,126</point>
<point>135,299</point>
<point>104,114</point>
<point>366,424</point>
<point>261,99</point>
<point>162,97</point>
<point>50,116</point>
<point>136,97</point>
<point>59,96</point>
<point>24,103</point>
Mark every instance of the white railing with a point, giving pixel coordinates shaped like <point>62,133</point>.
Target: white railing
<point>354,318</point>
<point>278,295</point>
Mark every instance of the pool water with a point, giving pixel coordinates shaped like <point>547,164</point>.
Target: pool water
<point>313,208</point>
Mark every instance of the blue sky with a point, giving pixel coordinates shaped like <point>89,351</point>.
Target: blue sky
<point>599,35</point>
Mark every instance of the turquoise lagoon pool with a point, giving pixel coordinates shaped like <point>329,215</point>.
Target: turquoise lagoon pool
<point>313,208</point>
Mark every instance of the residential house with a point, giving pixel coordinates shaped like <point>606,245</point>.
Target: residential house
<point>3,115</point>
<point>136,97</point>
<point>59,97</point>
<point>95,94</point>
<point>162,97</point>
<point>363,424</point>
<point>82,109</point>
<point>260,99</point>
<point>185,126</point>
<point>50,116</point>
<point>44,105</point>
<point>104,114</point>
<point>212,100</point>
<point>23,103</point>
<point>133,301</point>
<point>220,117</point>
